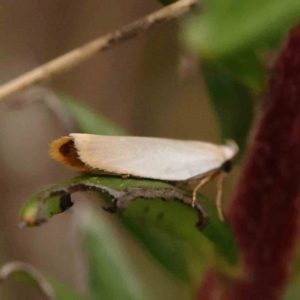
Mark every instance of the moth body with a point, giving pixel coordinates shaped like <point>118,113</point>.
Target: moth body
<point>153,158</point>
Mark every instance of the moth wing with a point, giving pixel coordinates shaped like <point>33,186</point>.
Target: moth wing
<point>156,158</point>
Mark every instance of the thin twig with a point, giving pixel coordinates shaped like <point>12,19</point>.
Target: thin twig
<point>15,267</point>
<point>81,54</point>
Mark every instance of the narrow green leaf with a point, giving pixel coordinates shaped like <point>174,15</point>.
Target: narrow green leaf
<point>64,292</point>
<point>229,26</point>
<point>111,275</point>
<point>232,101</point>
<point>89,121</point>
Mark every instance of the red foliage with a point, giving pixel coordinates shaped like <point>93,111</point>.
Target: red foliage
<point>265,211</point>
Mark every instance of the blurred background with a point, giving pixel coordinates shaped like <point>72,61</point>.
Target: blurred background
<point>147,86</point>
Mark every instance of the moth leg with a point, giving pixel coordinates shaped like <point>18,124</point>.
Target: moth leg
<point>125,176</point>
<point>202,182</point>
<point>219,195</point>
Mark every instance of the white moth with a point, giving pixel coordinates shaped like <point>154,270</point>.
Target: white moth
<point>163,159</point>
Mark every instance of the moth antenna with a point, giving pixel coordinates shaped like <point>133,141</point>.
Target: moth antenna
<point>219,195</point>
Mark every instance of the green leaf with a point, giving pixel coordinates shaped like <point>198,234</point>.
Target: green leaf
<point>89,121</point>
<point>63,292</point>
<point>293,288</point>
<point>110,273</point>
<point>27,274</point>
<point>246,68</point>
<point>230,26</point>
<point>220,234</point>
<point>232,101</point>
<point>151,221</point>
<point>293,291</point>
<point>175,224</point>
<point>228,36</point>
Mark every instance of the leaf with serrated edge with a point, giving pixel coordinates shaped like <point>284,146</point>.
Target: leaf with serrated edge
<point>181,220</point>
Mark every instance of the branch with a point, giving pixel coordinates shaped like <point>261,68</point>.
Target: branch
<point>83,53</point>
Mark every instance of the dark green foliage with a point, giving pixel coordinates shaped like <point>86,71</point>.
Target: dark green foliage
<point>166,2</point>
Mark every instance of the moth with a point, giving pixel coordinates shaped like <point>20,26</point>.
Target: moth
<point>178,162</point>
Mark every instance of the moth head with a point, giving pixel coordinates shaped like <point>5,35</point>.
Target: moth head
<point>230,149</point>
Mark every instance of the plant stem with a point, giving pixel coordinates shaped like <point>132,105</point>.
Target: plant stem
<point>79,55</point>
